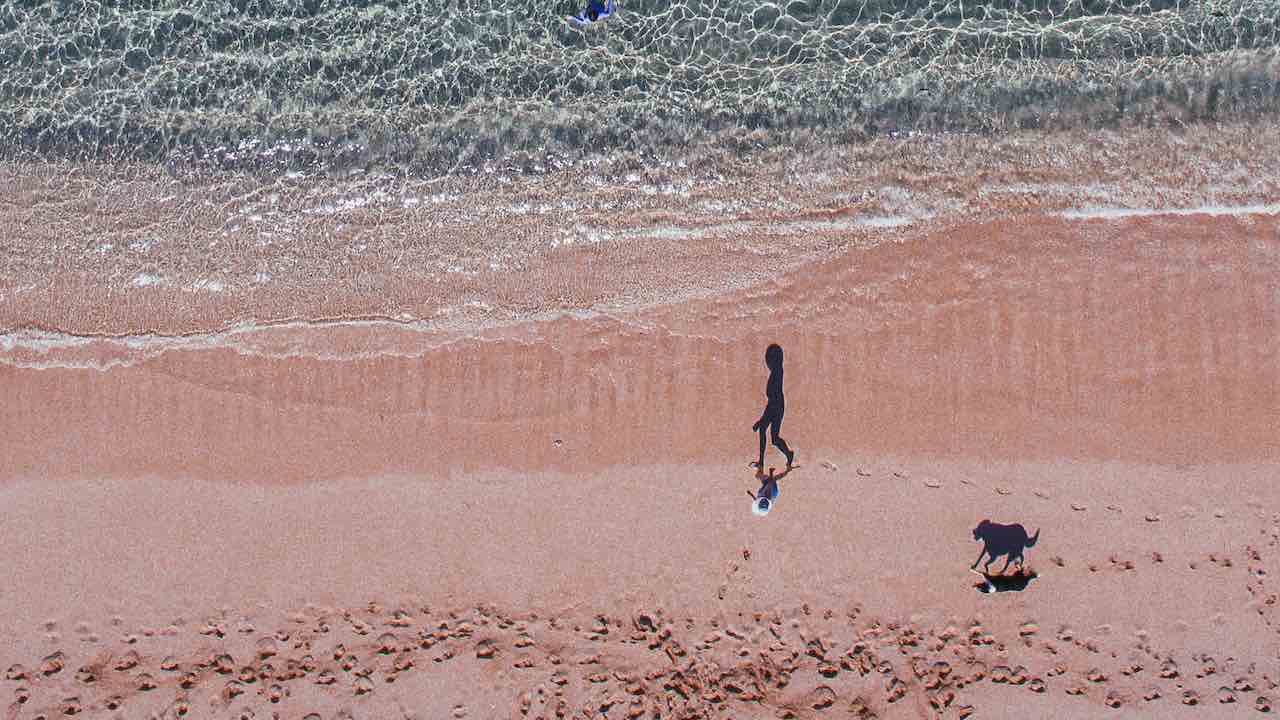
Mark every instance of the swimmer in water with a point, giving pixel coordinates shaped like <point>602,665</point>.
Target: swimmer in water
<point>596,10</point>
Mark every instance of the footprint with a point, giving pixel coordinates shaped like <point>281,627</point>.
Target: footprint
<point>387,643</point>
<point>822,697</point>
<point>896,690</point>
<point>53,664</point>
<point>942,699</point>
<point>266,647</point>
<point>145,682</point>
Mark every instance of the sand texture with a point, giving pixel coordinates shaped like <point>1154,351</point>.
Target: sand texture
<point>393,491</point>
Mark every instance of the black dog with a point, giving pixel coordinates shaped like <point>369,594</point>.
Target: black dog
<point>997,540</point>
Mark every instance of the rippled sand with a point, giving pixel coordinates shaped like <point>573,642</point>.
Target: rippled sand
<point>534,476</point>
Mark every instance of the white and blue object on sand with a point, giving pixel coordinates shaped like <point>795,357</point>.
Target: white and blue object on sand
<point>762,505</point>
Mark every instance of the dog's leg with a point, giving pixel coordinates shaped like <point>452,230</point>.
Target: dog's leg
<point>1007,559</point>
<point>981,552</point>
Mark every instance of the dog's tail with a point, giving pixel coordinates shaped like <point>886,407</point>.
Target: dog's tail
<point>1031,541</point>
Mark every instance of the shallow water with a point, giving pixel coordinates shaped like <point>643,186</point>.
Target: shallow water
<point>434,85</point>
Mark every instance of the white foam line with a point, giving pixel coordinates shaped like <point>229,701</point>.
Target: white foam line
<point>1212,210</point>
<point>145,347</point>
<point>672,232</point>
<point>145,279</point>
<point>874,221</point>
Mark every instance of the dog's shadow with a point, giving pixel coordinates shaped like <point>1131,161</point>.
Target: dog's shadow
<point>1016,582</point>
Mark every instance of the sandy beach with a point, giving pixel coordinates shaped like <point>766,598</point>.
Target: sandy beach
<point>243,480</point>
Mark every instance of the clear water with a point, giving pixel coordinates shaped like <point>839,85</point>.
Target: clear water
<point>441,85</point>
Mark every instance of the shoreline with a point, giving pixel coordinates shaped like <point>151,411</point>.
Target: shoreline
<point>132,249</point>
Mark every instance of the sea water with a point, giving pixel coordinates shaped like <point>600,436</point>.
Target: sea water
<point>438,86</point>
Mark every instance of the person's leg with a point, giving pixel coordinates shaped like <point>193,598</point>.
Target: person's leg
<point>775,427</point>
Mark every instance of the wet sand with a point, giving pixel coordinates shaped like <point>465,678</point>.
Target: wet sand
<point>546,509</point>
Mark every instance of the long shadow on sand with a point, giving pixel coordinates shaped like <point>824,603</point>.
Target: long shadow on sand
<point>1017,582</point>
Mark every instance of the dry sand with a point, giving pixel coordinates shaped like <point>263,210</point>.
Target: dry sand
<point>540,510</point>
